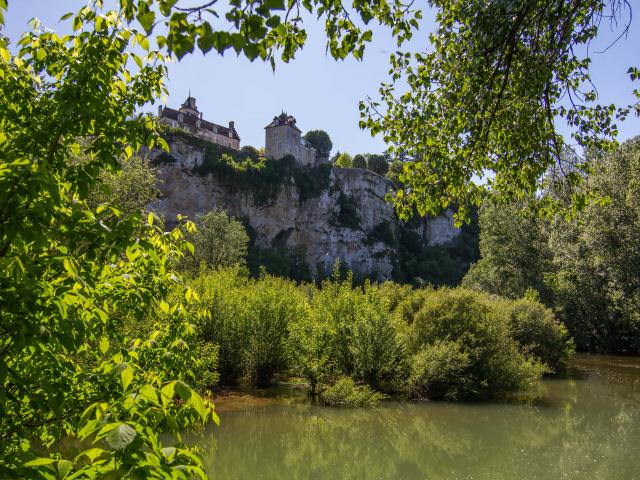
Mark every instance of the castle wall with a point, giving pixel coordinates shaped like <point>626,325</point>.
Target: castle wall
<point>310,224</point>
<point>284,140</point>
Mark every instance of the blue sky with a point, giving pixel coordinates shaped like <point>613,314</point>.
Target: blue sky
<point>320,92</point>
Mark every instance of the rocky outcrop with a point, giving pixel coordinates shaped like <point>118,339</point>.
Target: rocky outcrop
<point>342,221</point>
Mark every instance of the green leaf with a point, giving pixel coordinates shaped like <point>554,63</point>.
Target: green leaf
<point>121,436</point>
<point>38,462</point>
<point>103,345</point>
<point>126,376</point>
<point>64,467</point>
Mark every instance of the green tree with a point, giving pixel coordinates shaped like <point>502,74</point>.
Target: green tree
<point>359,161</point>
<point>514,251</point>
<point>132,188</point>
<point>597,259</point>
<point>489,97</point>
<point>220,241</point>
<point>320,140</point>
<point>71,272</point>
<point>377,163</point>
<point>396,168</point>
<point>344,161</point>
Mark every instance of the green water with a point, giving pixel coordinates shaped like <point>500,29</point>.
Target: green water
<point>584,427</point>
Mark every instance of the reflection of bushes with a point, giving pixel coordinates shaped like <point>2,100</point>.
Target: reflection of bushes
<point>430,440</point>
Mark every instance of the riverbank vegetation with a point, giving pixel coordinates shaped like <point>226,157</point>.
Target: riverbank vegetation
<point>587,267</point>
<point>422,343</point>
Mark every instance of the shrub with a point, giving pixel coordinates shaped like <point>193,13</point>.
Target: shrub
<point>272,304</point>
<point>220,241</point>
<point>249,321</point>
<point>347,214</point>
<point>538,333</point>
<point>495,363</point>
<point>222,293</point>
<point>376,351</point>
<point>359,161</point>
<point>346,393</point>
<point>438,371</point>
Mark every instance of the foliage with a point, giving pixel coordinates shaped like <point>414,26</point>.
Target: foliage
<point>539,334</point>
<point>263,32</point>
<point>359,161</point>
<point>344,160</point>
<point>320,140</point>
<point>347,214</point>
<point>71,271</point>
<point>132,188</point>
<point>264,178</point>
<point>382,232</point>
<point>439,371</point>
<point>346,393</point>
<point>596,278</point>
<point>281,261</point>
<point>515,254</point>
<point>220,241</point>
<point>437,265</point>
<point>220,294</point>
<point>488,100</point>
<point>584,267</point>
<point>378,164</point>
<point>248,320</point>
<point>462,349</point>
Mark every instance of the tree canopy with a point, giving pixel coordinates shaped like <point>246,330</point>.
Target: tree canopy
<point>320,140</point>
<point>359,161</point>
<point>377,163</point>
<point>487,99</point>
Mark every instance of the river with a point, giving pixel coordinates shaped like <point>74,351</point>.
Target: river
<point>586,426</point>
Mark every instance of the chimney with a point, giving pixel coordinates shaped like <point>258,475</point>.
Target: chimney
<point>160,111</point>
<point>232,125</point>
<point>200,115</point>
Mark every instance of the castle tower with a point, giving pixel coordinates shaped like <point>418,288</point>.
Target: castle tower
<point>283,137</point>
<point>189,106</point>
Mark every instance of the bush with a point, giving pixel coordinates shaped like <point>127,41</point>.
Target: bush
<point>220,241</point>
<point>347,214</point>
<point>538,333</point>
<point>346,393</point>
<point>438,371</point>
<point>359,161</point>
<point>222,294</point>
<point>249,321</point>
<point>272,304</point>
<point>493,363</point>
<point>376,351</point>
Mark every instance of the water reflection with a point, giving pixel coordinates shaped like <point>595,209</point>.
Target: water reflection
<point>587,426</point>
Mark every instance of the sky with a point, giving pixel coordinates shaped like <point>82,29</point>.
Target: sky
<point>320,92</point>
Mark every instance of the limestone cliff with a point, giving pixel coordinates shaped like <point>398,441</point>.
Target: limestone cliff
<point>343,215</point>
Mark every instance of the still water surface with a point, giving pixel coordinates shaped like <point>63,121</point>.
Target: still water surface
<point>583,427</point>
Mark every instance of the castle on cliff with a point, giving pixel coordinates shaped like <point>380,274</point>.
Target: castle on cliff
<point>188,118</point>
<point>282,136</point>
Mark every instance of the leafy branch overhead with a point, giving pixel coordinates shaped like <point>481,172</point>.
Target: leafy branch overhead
<point>268,29</point>
<point>487,99</point>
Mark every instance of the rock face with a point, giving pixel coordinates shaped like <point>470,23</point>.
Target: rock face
<point>342,221</point>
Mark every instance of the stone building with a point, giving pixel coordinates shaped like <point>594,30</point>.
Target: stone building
<point>283,137</point>
<point>190,119</point>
